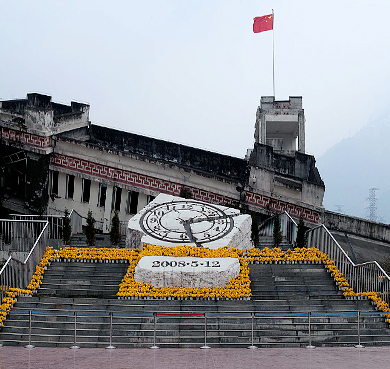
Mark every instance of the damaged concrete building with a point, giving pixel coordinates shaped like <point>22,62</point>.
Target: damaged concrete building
<point>53,158</point>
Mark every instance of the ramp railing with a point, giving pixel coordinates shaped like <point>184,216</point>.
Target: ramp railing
<point>17,273</point>
<point>365,277</point>
<point>19,235</point>
<point>56,222</point>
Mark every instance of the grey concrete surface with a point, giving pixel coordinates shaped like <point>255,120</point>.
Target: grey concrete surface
<point>60,358</point>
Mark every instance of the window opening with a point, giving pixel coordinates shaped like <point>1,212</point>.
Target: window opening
<point>86,190</point>
<point>69,186</point>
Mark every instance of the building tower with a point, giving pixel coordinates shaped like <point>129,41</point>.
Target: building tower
<point>281,124</point>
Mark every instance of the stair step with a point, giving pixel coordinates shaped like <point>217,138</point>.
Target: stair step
<point>278,291</point>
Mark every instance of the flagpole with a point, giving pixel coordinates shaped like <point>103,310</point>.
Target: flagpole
<point>273,52</point>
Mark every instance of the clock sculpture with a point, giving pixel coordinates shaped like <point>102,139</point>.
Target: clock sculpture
<point>173,221</point>
<point>186,221</point>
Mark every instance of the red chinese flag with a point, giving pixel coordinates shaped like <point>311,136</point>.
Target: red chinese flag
<point>264,23</point>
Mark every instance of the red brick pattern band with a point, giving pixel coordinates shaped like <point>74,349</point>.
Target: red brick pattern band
<point>172,188</point>
<point>25,138</point>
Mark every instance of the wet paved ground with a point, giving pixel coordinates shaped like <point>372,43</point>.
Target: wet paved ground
<point>302,358</point>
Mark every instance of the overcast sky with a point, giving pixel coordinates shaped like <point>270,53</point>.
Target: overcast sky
<point>193,72</point>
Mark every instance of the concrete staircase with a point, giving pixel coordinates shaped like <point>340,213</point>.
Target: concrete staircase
<point>82,295</point>
<point>101,240</point>
<point>266,241</point>
<point>290,291</point>
<point>75,279</point>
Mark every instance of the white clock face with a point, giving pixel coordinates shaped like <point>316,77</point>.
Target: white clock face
<point>186,221</point>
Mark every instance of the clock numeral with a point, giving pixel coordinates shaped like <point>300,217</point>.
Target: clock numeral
<point>156,228</point>
<point>153,220</point>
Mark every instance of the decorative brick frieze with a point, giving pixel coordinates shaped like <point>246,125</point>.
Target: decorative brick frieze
<point>280,206</point>
<point>135,179</point>
<point>172,188</point>
<point>25,138</point>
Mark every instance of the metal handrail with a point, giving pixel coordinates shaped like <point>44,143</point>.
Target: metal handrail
<point>55,222</point>
<point>289,227</point>
<point>76,221</point>
<point>308,322</point>
<point>36,242</point>
<point>364,277</point>
<point>19,235</point>
<point>17,273</point>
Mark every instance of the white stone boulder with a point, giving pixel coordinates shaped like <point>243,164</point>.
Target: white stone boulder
<point>169,271</point>
<point>172,221</point>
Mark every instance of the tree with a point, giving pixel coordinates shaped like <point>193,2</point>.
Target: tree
<point>277,234</point>
<point>115,235</point>
<point>301,234</point>
<point>66,228</point>
<point>90,229</point>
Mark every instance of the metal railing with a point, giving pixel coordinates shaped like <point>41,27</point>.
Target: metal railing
<point>365,277</point>
<point>201,329</point>
<point>288,227</point>
<point>16,273</point>
<point>55,222</point>
<point>19,235</point>
<point>76,222</point>
<point>123,227</point>
<point>11,275</point>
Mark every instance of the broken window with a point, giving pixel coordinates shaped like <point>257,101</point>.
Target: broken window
<point>150,198</point>
<point>132,202</point>
<point>102,194</point>
<point>69,186</point>
<point>54,182</point>
<point>116,198</point>
<point>86,190</point>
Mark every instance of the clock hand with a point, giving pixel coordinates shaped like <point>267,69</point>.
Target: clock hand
<point>217,217</point>
<point>187,227</point>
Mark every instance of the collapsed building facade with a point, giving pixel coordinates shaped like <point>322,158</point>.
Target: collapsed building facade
<point>53,158</point>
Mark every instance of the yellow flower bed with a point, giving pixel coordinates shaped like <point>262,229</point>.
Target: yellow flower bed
<point>40,269</point>
<point>238,287</point>
<point>95,254</point>
<point>276,254</point>
<point>9,301</point>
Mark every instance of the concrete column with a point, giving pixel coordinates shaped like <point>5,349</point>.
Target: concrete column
<point>107,209</point>
<point>301,132</point>
<point>263,129</point>
<point>257,126</point>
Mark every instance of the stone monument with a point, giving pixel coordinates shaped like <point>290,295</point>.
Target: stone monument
<point>173,221</point>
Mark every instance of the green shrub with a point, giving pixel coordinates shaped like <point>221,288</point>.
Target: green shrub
<point>90,229</point>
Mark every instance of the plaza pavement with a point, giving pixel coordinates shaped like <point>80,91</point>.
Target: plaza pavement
<point>219,358</point>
